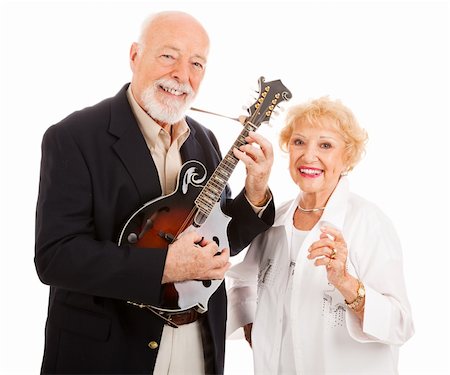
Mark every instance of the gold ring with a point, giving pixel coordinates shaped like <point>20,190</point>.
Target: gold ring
<point>333,254</point>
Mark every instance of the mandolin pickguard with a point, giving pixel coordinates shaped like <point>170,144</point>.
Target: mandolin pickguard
<point>196,293</point>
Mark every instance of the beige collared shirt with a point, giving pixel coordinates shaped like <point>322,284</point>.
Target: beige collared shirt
<point>164,147</point>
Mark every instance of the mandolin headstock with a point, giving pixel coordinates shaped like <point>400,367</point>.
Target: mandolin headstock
<point>271,94</point>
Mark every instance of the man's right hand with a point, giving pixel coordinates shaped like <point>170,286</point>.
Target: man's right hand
<point>191,257</point>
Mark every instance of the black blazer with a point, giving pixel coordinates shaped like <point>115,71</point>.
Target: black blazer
<point>96,170</point>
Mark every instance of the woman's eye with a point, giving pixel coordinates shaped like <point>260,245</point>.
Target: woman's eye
<point>325,145</point>
<point>167,56</point>
<point>298,142</point>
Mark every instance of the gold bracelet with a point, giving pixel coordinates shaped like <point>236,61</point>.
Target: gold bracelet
<point>360,294</point>
<point>264,201</point>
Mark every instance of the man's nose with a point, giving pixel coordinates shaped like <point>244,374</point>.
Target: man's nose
<point>181,71</point>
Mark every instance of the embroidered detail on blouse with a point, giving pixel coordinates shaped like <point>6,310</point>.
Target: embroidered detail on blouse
<point>292,267</point>
<point>333,307</point>
<point>265,274</point>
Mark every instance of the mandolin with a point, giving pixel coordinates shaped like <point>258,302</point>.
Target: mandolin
<point>195,205</point>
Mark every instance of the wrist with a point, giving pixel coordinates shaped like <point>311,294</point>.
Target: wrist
<point>348,287</point>
<point>260,201</point>
<point>357,303</point>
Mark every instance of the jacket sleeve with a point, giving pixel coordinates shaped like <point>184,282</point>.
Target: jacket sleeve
<point>245,224</point>
<point>377,258</point>
<point>68,252</point>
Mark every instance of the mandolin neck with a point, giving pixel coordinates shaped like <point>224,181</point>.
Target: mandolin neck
<point>210,194</point>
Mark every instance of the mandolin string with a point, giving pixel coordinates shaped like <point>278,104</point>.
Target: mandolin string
<point>243,133</point>
<point>186,223</point>
<point>189,218</point>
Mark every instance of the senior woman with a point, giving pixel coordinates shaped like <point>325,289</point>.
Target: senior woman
<point>322,291</point>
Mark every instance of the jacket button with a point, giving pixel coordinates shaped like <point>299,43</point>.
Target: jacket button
<point>152,344</point>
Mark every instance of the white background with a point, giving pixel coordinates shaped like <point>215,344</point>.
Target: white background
<point>388,61</point>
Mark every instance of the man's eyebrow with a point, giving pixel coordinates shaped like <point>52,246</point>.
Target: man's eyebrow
<point>203,58</point>
<point>176,49</point>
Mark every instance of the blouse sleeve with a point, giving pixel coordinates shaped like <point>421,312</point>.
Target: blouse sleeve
<point>242,284</point>
<point>376,255</point>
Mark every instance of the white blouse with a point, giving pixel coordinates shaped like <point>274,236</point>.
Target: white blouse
<point>287,362</point>
<point>321,335</point>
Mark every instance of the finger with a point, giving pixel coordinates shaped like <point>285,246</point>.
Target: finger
<point>329,263</point>
<point>211,248</point>
<point>323,251</point>
<point>337,235</point>
<point>192,236</point>
<point>263,143</point>
<point>203,242</point>
<point>242,156</point>
<point>333,253</point>
<point>253,152</point>
<point>220,272</point>
<point>222,258</point>
<point>323,242</point>
<point>324,235</point>
<point>324,261</point>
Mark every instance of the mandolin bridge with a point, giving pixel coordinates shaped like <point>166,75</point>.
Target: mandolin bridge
<point>169,237</point>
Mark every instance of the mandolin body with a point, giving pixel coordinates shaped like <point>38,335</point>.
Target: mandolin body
<point>160,222</point>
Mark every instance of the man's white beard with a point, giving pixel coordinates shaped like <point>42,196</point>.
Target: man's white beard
<point>167,110</point>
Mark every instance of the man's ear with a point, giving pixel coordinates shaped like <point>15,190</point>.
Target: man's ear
<point>134,54</point>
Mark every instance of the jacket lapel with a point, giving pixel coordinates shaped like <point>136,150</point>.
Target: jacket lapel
<point>132,149</point>
<point>191,148</point>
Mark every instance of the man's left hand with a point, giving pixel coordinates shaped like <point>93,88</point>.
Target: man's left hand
<point>257,155</point>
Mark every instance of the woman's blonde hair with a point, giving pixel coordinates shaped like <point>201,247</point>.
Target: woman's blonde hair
<point>312,112</point>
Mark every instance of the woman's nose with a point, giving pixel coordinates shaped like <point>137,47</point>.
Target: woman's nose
<point>310,154</point>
